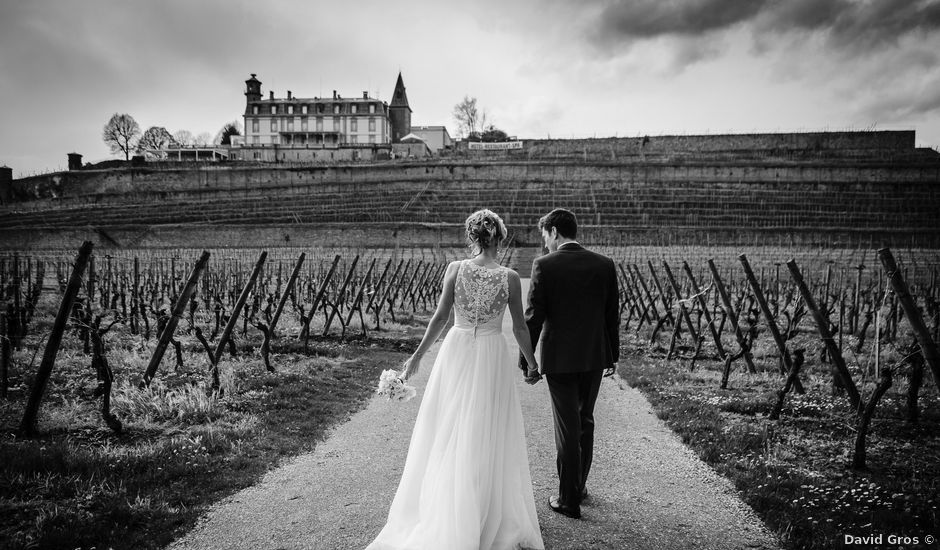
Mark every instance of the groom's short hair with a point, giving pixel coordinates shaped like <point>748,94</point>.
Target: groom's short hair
<point>562,220</point>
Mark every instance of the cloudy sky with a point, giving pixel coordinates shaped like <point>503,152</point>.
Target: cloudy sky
<point>540,68</point>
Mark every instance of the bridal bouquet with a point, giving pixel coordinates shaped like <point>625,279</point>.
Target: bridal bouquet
<point>393,387</point>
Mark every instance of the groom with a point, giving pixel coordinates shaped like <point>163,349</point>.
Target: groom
<point>574,300</point>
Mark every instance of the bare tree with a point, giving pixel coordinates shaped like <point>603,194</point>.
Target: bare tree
<point>184,138</point>
<point>155,138</point>
<point>470,119</point>
<point>203,139</point>
<point>121,134</point>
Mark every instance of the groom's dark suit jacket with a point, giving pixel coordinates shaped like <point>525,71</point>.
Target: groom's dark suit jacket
<point>574,300</point>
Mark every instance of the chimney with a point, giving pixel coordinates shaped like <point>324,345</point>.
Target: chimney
<point>288,94</point>
<point>6,184</point>
<point>75,161</point>
<point>272,95</point>
<point>365,94</point>
<point>334,94</point>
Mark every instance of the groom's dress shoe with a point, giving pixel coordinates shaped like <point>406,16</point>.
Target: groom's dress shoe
<point>573,512</point>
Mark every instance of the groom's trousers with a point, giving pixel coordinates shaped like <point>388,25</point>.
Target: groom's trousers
<point>573,398</point>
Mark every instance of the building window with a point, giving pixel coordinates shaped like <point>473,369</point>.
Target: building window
<point>372,108</point>
<point>319,107</point>
<point>290,109</point>
<point>353,139</point>
<point>303,109</point>
<point>255,126</point>
<point>371,124</point>
<point>336,124</point>
<point>335,109</point>
<point>319,124</point>
<point>254,109</point>
<point>256,155</point>
<point>273,109</point>
<point>303,124</point>
<point>353,125</point>
<point>290,125</point>
<point>353,108</point>
<point>274,125</point>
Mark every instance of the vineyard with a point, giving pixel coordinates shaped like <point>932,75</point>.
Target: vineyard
<point>136,382</point>
<point>138,386</point>
<point>802,380</point>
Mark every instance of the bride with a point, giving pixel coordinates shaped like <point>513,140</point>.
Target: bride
<point>466,482</point>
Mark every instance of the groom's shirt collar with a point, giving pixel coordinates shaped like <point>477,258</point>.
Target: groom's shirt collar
<point>570,244</point>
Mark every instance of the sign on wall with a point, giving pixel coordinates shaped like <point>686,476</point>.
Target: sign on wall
<point>494,146</point>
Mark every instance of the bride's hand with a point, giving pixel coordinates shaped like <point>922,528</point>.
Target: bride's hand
<point>410,367</point>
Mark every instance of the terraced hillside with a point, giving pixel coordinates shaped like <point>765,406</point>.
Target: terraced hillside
<point>838,196</point>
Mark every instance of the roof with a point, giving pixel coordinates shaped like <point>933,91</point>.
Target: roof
<point>399,97</point>
<point>411,138</point>
<point>296,99</point>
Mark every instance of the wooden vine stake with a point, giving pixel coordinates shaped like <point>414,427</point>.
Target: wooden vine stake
<point>375,293</point>
<point>823,326</point>
<point>305,329</point>
<point>290,286</point>
<point>733,317</point>
<point>927,345</point>
<point>683,315</point>
<point>28,425</point>
<point>357,302</point>
<point>703,302</point>
<point>178,309</point>
<point>227,332</point>
<point>771,321</point>
<point>340,297</point>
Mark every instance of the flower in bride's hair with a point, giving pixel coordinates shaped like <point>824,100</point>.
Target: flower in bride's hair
<point>394,388</point>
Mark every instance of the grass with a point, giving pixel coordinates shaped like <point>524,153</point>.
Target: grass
<point>795,472</point>
<point>79,485</point>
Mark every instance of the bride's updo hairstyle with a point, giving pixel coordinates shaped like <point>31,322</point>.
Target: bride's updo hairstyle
<point>484,228</point>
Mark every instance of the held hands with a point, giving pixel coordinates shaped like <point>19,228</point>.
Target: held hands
<point>532,375</point>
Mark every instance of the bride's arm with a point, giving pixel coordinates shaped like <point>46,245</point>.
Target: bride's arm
<point>519,328</point>
<point>436,324</point>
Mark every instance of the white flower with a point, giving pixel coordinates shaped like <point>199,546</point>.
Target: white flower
<point>393,387</point>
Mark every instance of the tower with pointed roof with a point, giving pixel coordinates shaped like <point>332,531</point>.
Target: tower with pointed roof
<point>399,112</point>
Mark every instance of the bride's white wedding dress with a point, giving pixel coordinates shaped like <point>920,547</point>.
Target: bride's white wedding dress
<point>466,482</point>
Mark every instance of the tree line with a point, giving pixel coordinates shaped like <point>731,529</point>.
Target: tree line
<point>123,136</point>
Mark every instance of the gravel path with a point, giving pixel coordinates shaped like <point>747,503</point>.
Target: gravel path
<point>648,491</point>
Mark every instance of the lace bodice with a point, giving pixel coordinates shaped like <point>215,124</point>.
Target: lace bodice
<point>480,294</point>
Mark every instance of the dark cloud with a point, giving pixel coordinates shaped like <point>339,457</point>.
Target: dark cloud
<point>854,24</point>
<point>846,24</point>
<point>627,20</point>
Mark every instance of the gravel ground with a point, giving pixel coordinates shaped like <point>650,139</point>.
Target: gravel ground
<point>648,491</point>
